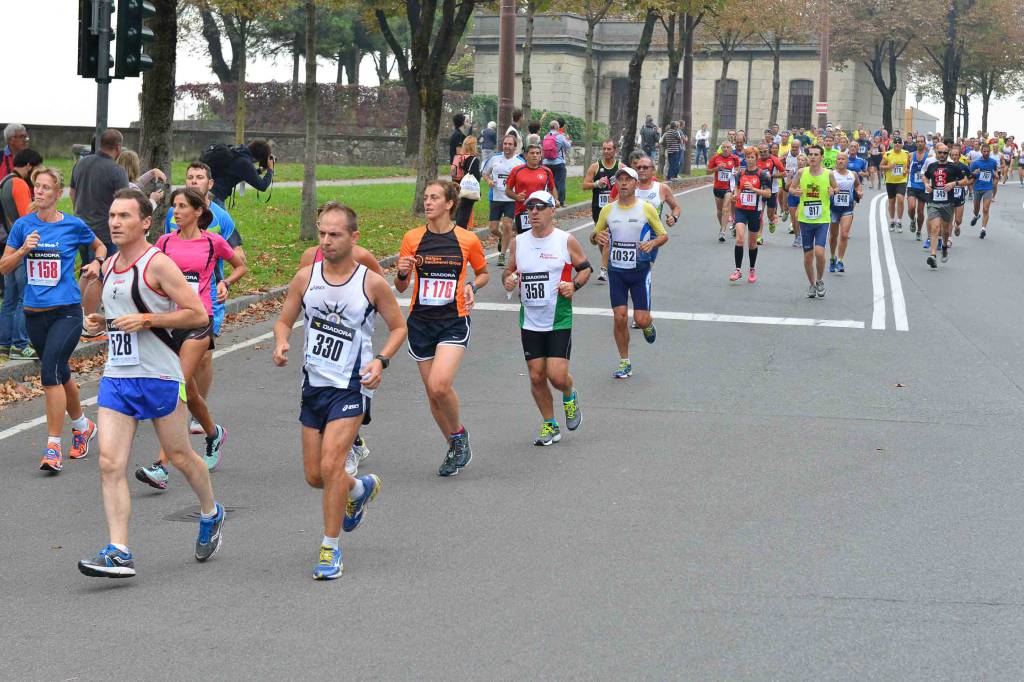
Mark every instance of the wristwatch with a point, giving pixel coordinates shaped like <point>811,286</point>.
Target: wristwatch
<point>384,362</point>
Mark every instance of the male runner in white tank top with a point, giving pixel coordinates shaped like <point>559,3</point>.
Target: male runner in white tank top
<point>340,300</point>
<point>144,295</point>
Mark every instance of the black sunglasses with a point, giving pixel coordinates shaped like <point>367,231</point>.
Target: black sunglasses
<point>536,206</point>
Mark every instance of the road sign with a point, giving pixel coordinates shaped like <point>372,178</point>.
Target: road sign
<point>821,108</point>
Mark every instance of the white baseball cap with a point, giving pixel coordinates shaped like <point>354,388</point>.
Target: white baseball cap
<point>541,195</point>
<point>628,171</point>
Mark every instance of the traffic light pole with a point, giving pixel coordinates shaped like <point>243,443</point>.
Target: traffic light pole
<point>102,9</point>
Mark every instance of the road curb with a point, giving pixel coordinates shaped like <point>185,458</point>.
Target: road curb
<point>19,370</point>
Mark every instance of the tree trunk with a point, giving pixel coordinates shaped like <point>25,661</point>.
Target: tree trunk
<point>156,143</point>
<point>380,64</point>
<point>716,115</point>
<point>296,53</point>
<point>531,10</point>
<point>352,65</point>
<point>689,24</point>
<point>426,168</point>
<point>636,65</point>
<point>308,223</point>
<point>986,99</point>
<point>885,57</point>
<point>588,89</point>
<point>239,58</point>
<point>965,105</point>
<point>413,126</point>
<point>674,58</point>
<point>211,33</point>
<point>773,116</point>
<point>341,66</point>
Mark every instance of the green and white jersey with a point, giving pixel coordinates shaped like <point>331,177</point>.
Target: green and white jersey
<point>542,264</point>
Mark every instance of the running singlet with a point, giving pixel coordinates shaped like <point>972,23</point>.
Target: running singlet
<point>897,174</point>
<point>857,164</point>
<point>500,170</point>
<point>984,171</point>
<point>940,174</point>
<point>773,166</point>
<point>526,180</point>
<point>814,199</point>
<point>747,199</point>
<point>338,331</point>
<point>792,166</point>
<point>147,353</point>
<point>723,167</point>
<point>197,258</point>
<point>626,227</point>
<point>601,197</point>
<point>439,279</point>
<point>542,264</point>
<point>51,265</point>
<point>828,159</point>
<point>917,170</point>
<point>842,200</point>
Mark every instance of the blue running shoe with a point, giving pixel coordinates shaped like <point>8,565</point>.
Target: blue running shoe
<point>650,334</point>
<point>831,264</point>
<point>329,566</point>
<point>840,267</point>
<point>624,371</point>
<point>209,538</point>
<point>110,562</point>
<point>927,243</point>
<point>355,510</point>
<point>463,454</point>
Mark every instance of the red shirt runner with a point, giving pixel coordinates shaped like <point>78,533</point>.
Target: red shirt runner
<point>526,180</point>
<point>723,166</point>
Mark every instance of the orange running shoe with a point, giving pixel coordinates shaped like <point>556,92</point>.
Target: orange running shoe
<point>80,441</point>
<point>53,460</point>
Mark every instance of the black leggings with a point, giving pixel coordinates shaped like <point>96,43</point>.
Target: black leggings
<point>54,334</point>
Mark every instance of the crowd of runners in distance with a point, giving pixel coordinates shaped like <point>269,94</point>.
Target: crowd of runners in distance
<point>161,305</point>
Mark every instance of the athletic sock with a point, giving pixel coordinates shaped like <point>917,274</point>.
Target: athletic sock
<point>329,542</point>
<point>553,422</point>
<point>53,440</point>
<point>357,491</point>
<point>737,254</point>
<point>123,548</point>
<point>80,424</point>
<point>211,516</point>
<point>753,257</point>
<point>569,398</point>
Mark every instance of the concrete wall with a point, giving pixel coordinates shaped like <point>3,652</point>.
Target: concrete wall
<point>349,150</point>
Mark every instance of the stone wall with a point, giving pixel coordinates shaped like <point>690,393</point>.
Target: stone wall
<point>346,150</point>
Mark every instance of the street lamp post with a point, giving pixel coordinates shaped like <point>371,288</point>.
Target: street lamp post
<point>823,70</point>
<point>506,63</point>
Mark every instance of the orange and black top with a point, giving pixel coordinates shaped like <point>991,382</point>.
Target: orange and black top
<point>439,280</point>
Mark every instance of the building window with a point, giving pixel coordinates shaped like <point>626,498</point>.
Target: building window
<point>725,100</point>
<point>801,103</point>
<point>617,106</point>
<point>674,109</point>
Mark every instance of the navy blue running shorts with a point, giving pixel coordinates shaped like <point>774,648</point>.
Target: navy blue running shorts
<point>323,404</point>
<point>624,285</point>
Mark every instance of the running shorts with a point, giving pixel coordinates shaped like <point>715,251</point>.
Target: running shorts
<point>813,234</point>
<point>918,194</point>
<point>426,335</point>
<point>624,285</point>
<point>874,161</point>
<point>54,335</point>
<point>894,188</point>
<point>180,336</point>
<point>943,212</point>
<point>979,196</point>
<point>839,213</point>
<point>752,219</point>
<point>323,404</point>
<point>772,201</point>
<point>720,193</point>
<point>502,209</point>
<point>793,201</point>
<point>140,397</point>
<point>556,343</point>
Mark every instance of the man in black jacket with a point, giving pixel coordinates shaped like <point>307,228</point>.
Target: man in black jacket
<point>242,168</point>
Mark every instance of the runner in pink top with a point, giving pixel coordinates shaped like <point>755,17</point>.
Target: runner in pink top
<point>197,258</point>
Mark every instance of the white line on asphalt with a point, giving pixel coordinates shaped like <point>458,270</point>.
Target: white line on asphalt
<point>89,402</point>
<point>899,305</point>
<point>877,285</point>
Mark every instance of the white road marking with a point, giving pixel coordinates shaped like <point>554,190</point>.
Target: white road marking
<point>877,285</point>
<point>899,305</point>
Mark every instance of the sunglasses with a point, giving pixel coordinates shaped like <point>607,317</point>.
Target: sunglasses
<point>643,167</point>
<point>536,206</point>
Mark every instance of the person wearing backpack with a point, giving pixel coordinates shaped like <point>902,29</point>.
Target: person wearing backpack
<point>469,172</point>
<point>232,165</point>
<point>649,137</point>
<point>15,198</point>
<point>554,151</point>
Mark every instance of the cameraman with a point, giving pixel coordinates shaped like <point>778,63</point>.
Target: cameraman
<point>242,168</point>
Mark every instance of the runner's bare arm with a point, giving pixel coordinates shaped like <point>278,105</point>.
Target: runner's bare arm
<point>365,257</point>
<point>580,264</point>
<point>588,179</point>
<point>383,299</point>
<point>507,280</point>
<point>290,311</point>
<point>163,275</point>
<point>308,256</point>
<point>668,198</point>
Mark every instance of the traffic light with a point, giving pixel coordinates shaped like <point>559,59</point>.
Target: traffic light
<point>89,38</point>
<point>132,38</point>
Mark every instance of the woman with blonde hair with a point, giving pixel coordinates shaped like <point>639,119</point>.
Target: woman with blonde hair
<point>469,166</point>
<point>132,165</point>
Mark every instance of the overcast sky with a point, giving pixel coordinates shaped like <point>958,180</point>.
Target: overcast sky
<point>42,36</point>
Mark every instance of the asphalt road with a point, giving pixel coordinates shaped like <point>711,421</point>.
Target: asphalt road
<point>786,489</point>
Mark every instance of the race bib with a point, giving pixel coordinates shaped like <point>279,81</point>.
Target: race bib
<point>776,185</point>
<point>623,255</point>
<point>812,210</point>
<point>536,288</point>
<point>602,199</point>
<point>916,179</point>
<point>524,221</point>
<point>897,170</point>
<point>43,268</point>
<point>328,344</point>
<point>939,195</point>
<point>841,199</point>
<point>863,149</point>
<point>958,192</point>
<point>437,290</point>
<point>985,176</point>
<point>724,175</point>
<point>748,199</point>
<point>122,347</point>
<point>193,281</point>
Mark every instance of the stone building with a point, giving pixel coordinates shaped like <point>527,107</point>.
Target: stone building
<point>558,63</point>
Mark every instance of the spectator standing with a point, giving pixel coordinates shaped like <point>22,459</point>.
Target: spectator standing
<point>457,136</point>
<point>16,139</point>
<point>703,136</point>
<point>94,180</point>
<point>15,200</point>
<point>470,165</point>
<point>649,136</point>
<point>672,143</point>
<point>233,165</point>
<point>132,165</point>
<point>555,147</point>
<point>514,129</point>
<point>488,142</point>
